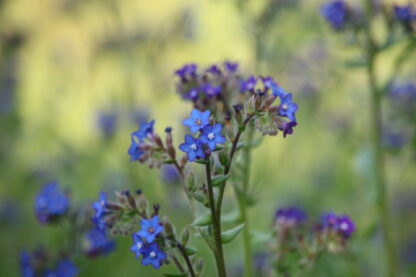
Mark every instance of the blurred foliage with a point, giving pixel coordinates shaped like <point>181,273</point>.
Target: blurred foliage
<point>63,62</point>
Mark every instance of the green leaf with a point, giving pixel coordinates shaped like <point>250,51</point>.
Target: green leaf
<point>233,217</point>
<point>190,251</point>
<point>230,235</point>
<point>219,179</point>
<point>203,220</point>
<point>176,274</point>
<point>201,161</point>
<point>169,161</point>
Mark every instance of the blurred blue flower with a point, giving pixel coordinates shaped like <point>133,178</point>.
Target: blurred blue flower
<point>287,127</point>
<point>192,147</point>
<point>278,90</point>
<point>169,174</point>
<point>339,223</point>
<point>211,90</point>
<point>137,246</point>
<point>211,135</point>
<point>192,94</point>
<point>187,71</point>
<point>214,69</point>
<point>153,255</point>
<point>97,243</point>
<point>134,150</point>
<point>405,13</point>
<point>26,267</point>
<point>231,66</point>
<point>287,107</point>
<point>268,82</point>
<point>65,268</point>
<point>107,122</point>
<point>198,120</point>
<point>290,216</point>
<point>150,228</point>
<point>100,209</point>
<point>248,84</point>
<point>336,13</point>
<point>50,203</point>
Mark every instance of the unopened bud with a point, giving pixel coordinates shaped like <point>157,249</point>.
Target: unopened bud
<point>158,140</point>
<point>199,266</point>
<point>238,114</point>
<point>169,229</point>
<point>142,204</point>
<point>121,198</point>
<point>190,181</point>
<point>185,236</point>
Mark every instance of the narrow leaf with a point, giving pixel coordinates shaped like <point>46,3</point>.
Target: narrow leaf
<point>219,179</point>
<point>203,220</point>
<point>230,235</point>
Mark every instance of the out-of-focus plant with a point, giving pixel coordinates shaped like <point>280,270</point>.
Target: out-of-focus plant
<point>365,23</point>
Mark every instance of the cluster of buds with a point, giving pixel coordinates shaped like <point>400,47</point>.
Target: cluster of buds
<point>294,236</point>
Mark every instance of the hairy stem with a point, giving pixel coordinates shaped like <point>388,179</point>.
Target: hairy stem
<point>186,258</point>
<point>216,222</point>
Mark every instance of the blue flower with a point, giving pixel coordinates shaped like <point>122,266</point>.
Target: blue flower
<point>192,147</point>
<point>268,82</point>
<point>66,268</point>
<point>231,67</point>
<point>153,255</point>
<point>187,71</point>
<point>198,120</point>
<point>138,245</point>
<point>100,209</point>
<point>150,228</point>
<point>287,127</point>
<point>404,13</point>
<point>287,107</point>
<point>248,84</point>
<point>134,150</point>
<point>336,13</point>
<point>278,90</point>
<point>191,94</point>
<point>50,203</point>
<point>211,135</point>
<point>98,243</point>
<point>169,174</point>
<point>211,90</point>
<point>290,216</point>
<point>145,129</point>
<point>26,266</point>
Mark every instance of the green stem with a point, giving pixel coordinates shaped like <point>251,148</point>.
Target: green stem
<point>216,222</point>
<point>378,167</point>
<point>242,201</point>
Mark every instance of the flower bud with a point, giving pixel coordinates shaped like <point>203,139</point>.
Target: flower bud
<point>199,266</point>
<point>238,114</point>
<point>190,181</point>
<point>142,204</point>
<point>185,236</point>
<point>157,140</point>
<point>169,229</point>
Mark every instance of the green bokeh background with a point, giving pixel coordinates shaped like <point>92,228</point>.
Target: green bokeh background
<point>71,59</point>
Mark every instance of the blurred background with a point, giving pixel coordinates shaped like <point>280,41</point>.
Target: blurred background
<point>77,77</point>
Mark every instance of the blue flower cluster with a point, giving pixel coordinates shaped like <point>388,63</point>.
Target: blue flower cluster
<point>51,203</point>
<point>33,265</point>
<point>342,224</point>
<point>145,244</point>
<point>97,243</point>
<point>336,13</point>
<point>210,135</point>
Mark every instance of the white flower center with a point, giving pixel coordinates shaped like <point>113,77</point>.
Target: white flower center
<point>139,245</point>
<point>211,136</point>
<point>284,106</point>
<point>152,254</point>
<point>344,226</point>
<point>194,147</point>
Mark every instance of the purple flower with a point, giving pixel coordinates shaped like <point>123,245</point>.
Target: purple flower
<point>107,123</point>
<point>268,82</point>
<point>98,243</point>
<point>230,66</point>
<point>153,255</point>
<point>150,228</point>
<point>187,71</point>
<point>137,246</point>
<point>290,216</point>
<point>211,135</point>
<point>248,84</point>
<point>345,225</point>
<point>145,129</point>
<point>211,90</point>
<point>198,120</point>
<point>336,13</point>
<point>404,13</point>
<point>287,107</point>
<point>192,147</point>
<point>287,127</point>
<point>100,209</point>
<point>191,94</point>
<point>50,203</point>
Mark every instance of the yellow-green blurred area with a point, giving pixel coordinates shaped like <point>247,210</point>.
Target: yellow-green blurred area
<point>65,62</point>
